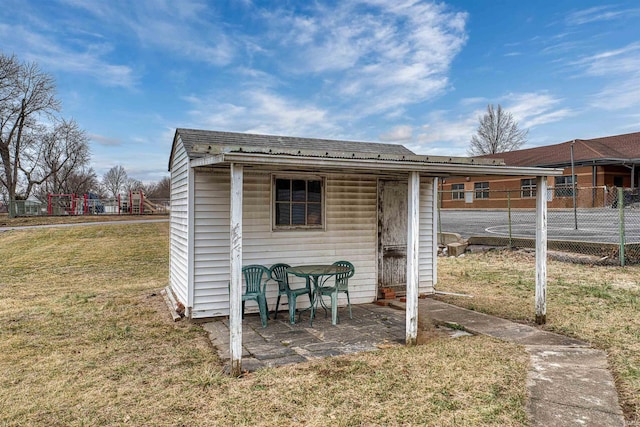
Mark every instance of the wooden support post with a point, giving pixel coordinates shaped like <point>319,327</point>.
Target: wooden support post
<point>235,284</point>
<point>541,250</point>
<point>413,242</point>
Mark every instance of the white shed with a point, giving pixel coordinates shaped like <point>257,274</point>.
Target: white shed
<point>369,203</point>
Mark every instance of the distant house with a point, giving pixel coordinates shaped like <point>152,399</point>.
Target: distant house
<point>3,208</point>
<point>240,199</point>
<point>599,164</point>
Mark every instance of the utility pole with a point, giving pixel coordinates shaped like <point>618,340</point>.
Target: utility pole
<point>573,186</point>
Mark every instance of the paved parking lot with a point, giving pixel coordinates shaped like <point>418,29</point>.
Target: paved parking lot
<point>594,225</point>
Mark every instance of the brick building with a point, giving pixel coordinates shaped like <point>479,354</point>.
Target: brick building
<point>599,164</point>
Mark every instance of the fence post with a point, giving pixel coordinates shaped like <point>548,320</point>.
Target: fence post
<point>621,212</point>
<point>509,217</point>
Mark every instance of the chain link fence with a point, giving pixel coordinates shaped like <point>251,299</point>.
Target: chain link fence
<point>597,221</point>
<point>63,205</point>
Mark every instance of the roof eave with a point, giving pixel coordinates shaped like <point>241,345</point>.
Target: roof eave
<point>414,165</point>
<point>595,162</point>
<point>173,147</point>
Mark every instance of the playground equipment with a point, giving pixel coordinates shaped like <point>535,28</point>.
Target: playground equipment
<point>133,203</point>
<point>136,204</point>
<point>92,204</point>
<point>151,208</point>
<point>62,204</point>
<point>72,204</point>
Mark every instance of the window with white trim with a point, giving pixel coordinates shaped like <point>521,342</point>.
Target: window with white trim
<point>298,202</point>
<point>564,186</point>
<point>481,190</point>
<point>457,191</point>
<point>528,188</point>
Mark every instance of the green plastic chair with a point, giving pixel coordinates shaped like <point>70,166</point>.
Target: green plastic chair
<point>341,285</point>
<point>278,273</point>
<point>255,278</point>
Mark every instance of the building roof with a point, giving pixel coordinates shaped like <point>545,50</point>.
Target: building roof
<point>615,149</point>
<point>195,137</point>
<point>214,148</point>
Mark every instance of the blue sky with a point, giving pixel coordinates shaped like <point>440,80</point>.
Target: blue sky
<point>412,72</point>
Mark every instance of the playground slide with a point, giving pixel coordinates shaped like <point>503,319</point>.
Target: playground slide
<point>149,207</point>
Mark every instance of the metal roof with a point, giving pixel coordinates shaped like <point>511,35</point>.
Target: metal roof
<point>306,160</point>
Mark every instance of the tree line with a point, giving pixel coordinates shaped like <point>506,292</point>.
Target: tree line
<point>42,152</point>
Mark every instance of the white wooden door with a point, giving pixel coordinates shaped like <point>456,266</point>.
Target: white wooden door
<point>392,235</point>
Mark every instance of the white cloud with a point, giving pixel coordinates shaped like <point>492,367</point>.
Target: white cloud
<point>363,58</point>
<point>620,69</point>
<point>633,123</point>
<point>532,109</point>
<point>563,48</point>
<point>548,117</point>
<point>55,55</point>
<point>446,133</point>
<point>188,28</point>
<point>398,134</point>
<point>105,140</point>
<point>465,102</point>
<point>599,13</point>
<point>617,61</point>
<point>192,99</point>
<point>261,111</point>
<point>82,38</point>
<point>619,95</point>
<point>382,55</point>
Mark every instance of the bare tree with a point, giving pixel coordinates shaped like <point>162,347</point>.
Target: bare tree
<point>497,132</point>
<point>114,180</point>
<point>52,156</point>
<point>160,189</point>
<point>4,199</point>
<point>82,181</point>
<point>26,96</point>
<point>132,184</point>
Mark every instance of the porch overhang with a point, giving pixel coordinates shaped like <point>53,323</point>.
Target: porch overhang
<point>312,159</point>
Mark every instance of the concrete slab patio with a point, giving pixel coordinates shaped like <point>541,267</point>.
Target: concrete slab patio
<point>568,382</point>
<point>281,343</point>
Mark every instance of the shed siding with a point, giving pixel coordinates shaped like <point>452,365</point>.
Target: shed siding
<point>351,232</point>
<point>211,244</point>
<point>426,251</point>
<point>178,247</point>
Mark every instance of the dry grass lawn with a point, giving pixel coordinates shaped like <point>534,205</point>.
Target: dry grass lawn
<point>5,221</point>
<point>86,340</point>
<point>599,304</point>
